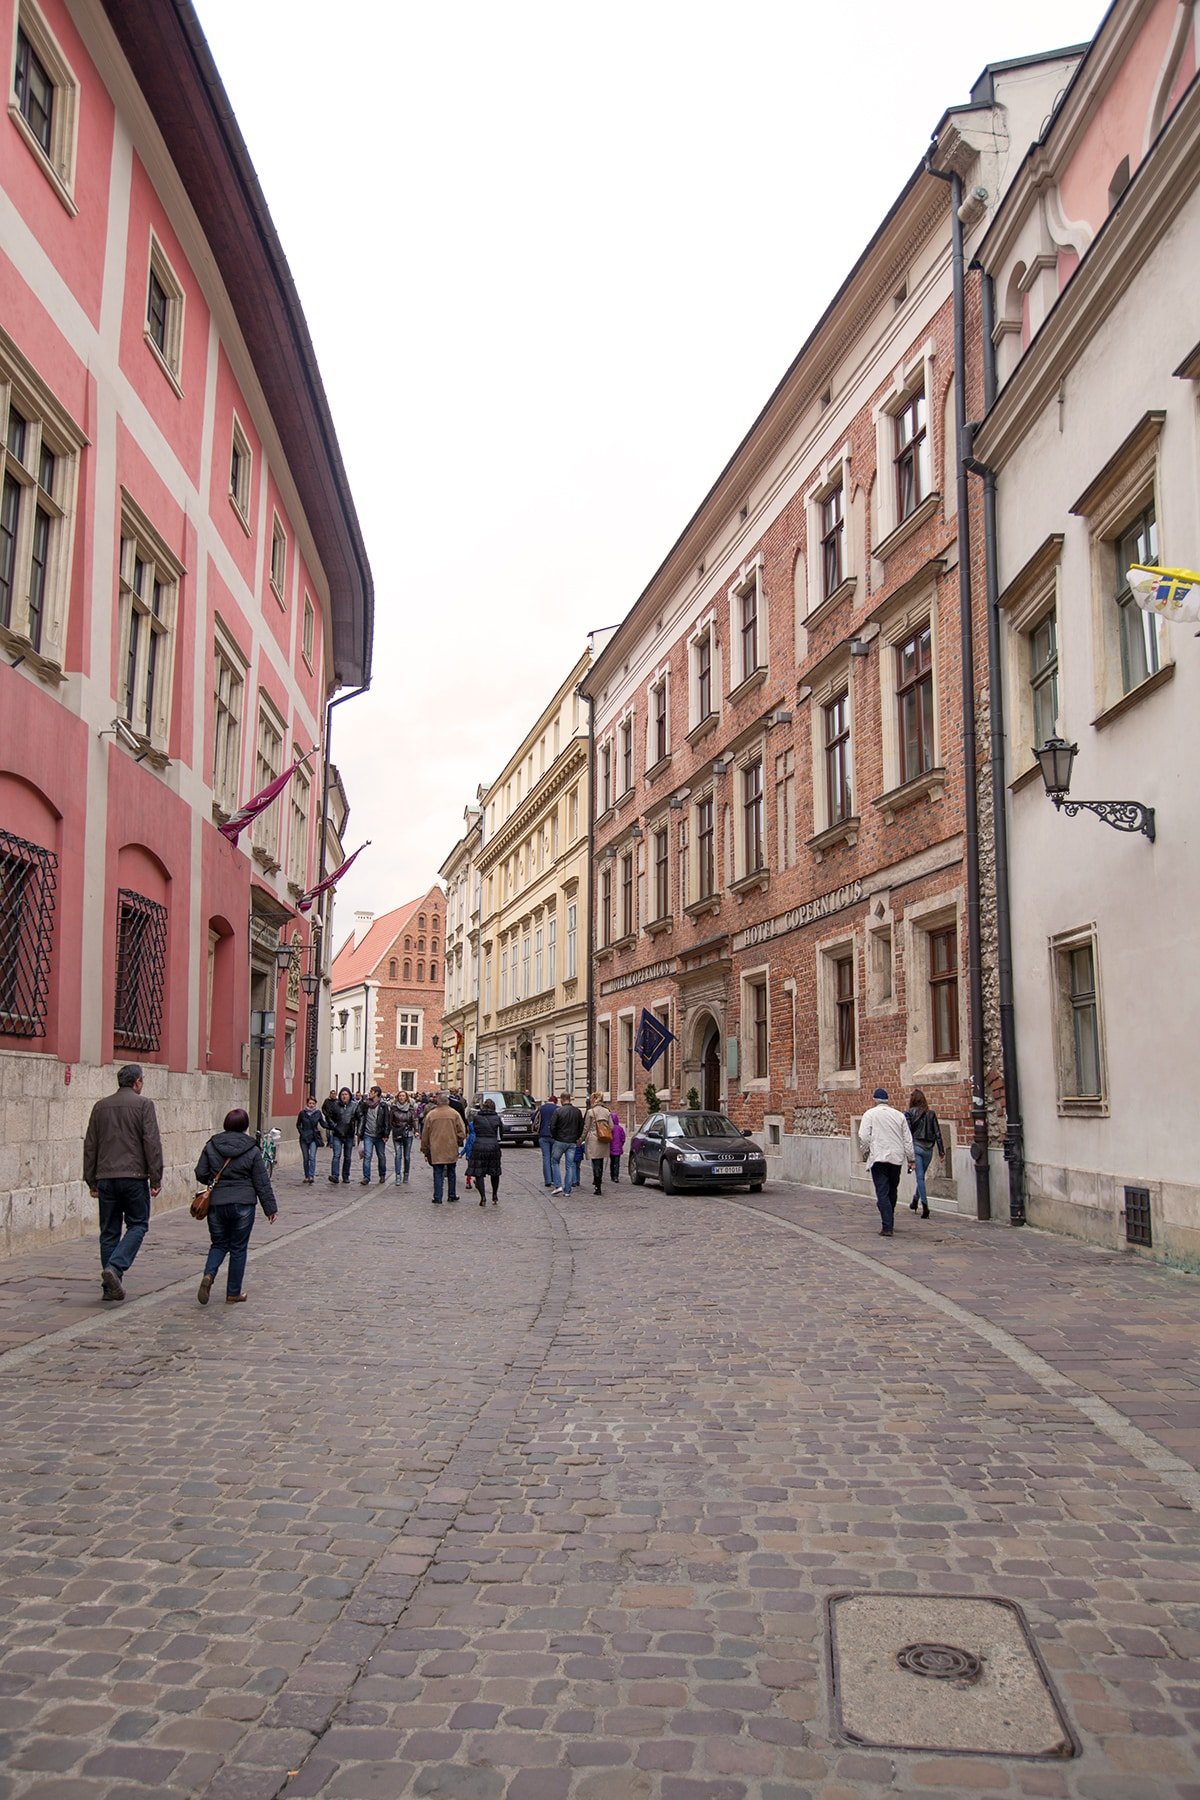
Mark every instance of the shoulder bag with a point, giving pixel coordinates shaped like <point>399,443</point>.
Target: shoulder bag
<point>199,1207</point>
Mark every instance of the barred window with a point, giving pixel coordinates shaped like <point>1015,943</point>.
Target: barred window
<point>27,884</point>
<point>141,971</point>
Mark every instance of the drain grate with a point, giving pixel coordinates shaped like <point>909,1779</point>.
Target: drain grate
<point>983,1689</point>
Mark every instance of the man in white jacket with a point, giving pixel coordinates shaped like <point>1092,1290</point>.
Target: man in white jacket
<point>887,1145</point>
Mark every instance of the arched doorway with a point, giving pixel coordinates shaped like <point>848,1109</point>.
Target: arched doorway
<point>710,1072</point>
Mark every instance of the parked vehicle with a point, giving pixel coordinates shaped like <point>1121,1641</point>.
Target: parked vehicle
<point>518,1114</point>
<point>695,1149</point>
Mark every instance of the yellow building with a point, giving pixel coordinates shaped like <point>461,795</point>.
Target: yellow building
<point>460,1013</point>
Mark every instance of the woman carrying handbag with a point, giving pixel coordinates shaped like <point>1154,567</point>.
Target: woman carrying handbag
<point>233,1173</point>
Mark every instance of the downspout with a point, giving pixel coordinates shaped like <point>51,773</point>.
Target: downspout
<point>979,1145</point>
<point>1014,1128</point>
<point>591,890</point>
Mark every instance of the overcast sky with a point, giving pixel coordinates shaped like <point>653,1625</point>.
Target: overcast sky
<point>554,257</point>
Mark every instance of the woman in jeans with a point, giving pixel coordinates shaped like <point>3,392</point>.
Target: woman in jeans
<point>309,1123</point>
<point>926,1137</point>
<point>231,1164</point>
<point>405,1126</point>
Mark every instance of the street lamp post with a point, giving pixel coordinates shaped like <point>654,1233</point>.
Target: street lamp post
<point>1056,759</point>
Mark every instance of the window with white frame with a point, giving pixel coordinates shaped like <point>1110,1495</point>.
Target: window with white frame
<point>289,1056</point>
<point>278,559</point>
<point>785,809</point>
<point>298,799</point>
<point>1029,607</point>
<point>605,796</point>
<point>1042,641</point>
<point>164,311</point>
<point>39,452</point>
<point>753,833</point>
<point>625,1053</point>
<point>358,1027</point>
<point>1131,648</point>
<point>147,595</point>
<point>1138,631</point>
<point>268,763</point>
<point>408,1081</point>
<point>538,959</point>
<point>704,817</point>
<point>659,745</point>
<point>756,1028</point>
<point>833,540</point>
<point>573,815</point>
<point>627,913</point>
<point>701,677</point>
<point>625,756</point>
<point>903,447</point>
<point>835,754</point>
<point>606,905</point>
<point>240,469</point>
<point>747,624</point>
<point>308,639</point>
<point>1079,1040</point>
<point>603,1075</point>
<point>660,886</point>
<point>504,976</point>
<point>914,703</point>
<point>932,990</point>
<point>526,948</point>
<point>551,953</point>
<point>408,1030</point>
<point>44,104</point>
<point>910,454</point>
<point>572,936</point>
<point>837,1013</point>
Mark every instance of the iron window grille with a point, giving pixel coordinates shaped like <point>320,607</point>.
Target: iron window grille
<point>141,971</point>
<point>27,884</point>
<point>1138,1229</point>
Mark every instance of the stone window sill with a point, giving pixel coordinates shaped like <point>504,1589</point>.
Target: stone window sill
<point>656,769</point>
<point>707,723</point>
<point>845,831</point>
<point>898,799</point>
<point>711,903</point>
<point>749,884</point>
<point>754,679</point>
<point>654,927</point>
<point>830,602</point>
<point>1135,696</point>
<point>907,527</point>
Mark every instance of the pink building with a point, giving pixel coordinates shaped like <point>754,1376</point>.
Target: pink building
<point>183,584</point>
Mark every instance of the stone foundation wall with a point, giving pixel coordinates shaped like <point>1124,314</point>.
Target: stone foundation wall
<point>1085,1204</point>
<point>42,1124</point>
<point>834,1162</point>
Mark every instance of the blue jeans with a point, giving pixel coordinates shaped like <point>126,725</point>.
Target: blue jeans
<point>547,1162</point>
<point>372,1147</point>
<point>403,1154</point>
<point>614,1168</point>
<point>563,1156</point>
<point>124,1201</point>
<point>923,1159</point>
<point>445,1175</point>
<point>343,1149</point>
<point>308,1154</point>
<point>229,1228</point>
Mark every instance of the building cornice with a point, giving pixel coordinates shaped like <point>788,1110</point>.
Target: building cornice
<point>571,762</point>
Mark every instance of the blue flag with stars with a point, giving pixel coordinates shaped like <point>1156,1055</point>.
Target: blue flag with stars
<point>652,1039</point>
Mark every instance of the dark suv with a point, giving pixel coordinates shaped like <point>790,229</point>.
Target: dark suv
<point>518,1114</point>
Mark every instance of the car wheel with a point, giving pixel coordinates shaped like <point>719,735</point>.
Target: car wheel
<point>667,1177</point>
<point>756,1187</point>
<point>635,1174</point>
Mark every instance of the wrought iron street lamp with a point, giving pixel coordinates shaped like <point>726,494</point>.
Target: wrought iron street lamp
<point>310,981</point>
<point>283,957</point>
<point>1056,759</point>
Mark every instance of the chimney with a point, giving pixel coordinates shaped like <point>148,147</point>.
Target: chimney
<point>362,924</point>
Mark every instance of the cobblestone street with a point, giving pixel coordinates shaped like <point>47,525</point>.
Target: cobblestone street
<point>549,1499</point>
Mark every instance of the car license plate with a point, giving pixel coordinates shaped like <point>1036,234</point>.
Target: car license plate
<point>729,1169</point>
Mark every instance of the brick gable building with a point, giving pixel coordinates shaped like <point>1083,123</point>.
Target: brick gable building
<point>387,993</point>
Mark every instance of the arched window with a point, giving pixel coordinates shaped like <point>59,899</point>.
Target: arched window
<point>433,971</point>
<point>420,943</point>
<point>392,969</point>
<point>420,921</point>
<point>408,943</point>
<point>433,947</point>
<point>420,971</point>
<point>407,969</point>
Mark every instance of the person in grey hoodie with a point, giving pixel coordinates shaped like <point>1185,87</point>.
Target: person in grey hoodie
<point>231,1163</point>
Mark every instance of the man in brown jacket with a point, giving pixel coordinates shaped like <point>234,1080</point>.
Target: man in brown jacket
<point>443,1135</point>
<point>123,1167</point>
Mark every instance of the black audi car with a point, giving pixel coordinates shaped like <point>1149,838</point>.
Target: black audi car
<point>695,1149</point>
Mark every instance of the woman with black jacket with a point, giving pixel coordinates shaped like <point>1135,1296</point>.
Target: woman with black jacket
<point>231,1164</point>
<point>485,1153</point>
<point>926,1137</point>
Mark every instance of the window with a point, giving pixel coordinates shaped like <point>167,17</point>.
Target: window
<point>298,791</point>
<point>552,953</point>
<point>606,905</point>
<point>846,1039</point>
<point>27,889</point>
<point>943,994</point>
<point>748,628</point>
<point>392,965</point>
<point>661,848</point>
<point>45,100</point>
<point>278,558</point>
<point>702,677</point>
<point>420,970</point>
<point>525,952</point>
<point>836,717</point>
<point>1080,1051</point>
<point>310,630</point>
<point>606,777</point>
<point>229,689</point>
<point>1139,630</point>
<point>289,1056</point>
<point>433,971</point>
<point>625,1036</point>
<point>755,1027</point>
<point>141,971</point>
<point>38,462</point>
<point>569,1062</point>
<point>408,1081</point>
<point>603,1076</point>
<point>408,1030</point>
<point>832,542</point>
<point>572,933</point>
<point>358,1027</point>
<point>239,474</point>
<point>659,740</point>
<point>268,763</point>
<point>706,862</point>
<point>914,698</point>
<point>504,977</point>
<point>912,478</point>
<point>785,809</point>
<point>627,894</point>
<point>538,961</point>
<point>573,815</point>
<point>164,311</point>
<point>1043,677</point>
<point>626,744</point>
<point>147,591</point>
<point>753,847</point>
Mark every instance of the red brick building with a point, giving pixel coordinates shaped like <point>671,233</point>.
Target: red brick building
<point>781,809</point>
<point>387,992</point>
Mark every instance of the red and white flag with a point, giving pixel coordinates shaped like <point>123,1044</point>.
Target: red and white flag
<point>246,815</point>
<point>305,901</point>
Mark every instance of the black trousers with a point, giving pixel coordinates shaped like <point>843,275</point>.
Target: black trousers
<point>886,1177</point>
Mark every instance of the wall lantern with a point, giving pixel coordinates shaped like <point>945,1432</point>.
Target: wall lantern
<point>283,957</point>
<point>310,982</point>
<point>1055,759</point>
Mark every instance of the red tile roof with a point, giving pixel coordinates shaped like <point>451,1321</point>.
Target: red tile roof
<point>354,965</point>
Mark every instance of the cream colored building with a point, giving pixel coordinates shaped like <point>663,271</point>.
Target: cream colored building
<point>532,871</point>
<point>460,1012</point>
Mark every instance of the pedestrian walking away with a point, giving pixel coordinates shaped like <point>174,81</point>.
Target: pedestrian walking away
<point>484,1162</point>
<point>927,1137</point>
<point>545,1116</point>
<point>373,1125</point>
<point>566,1132</point>
<point>597,1137</point>
<point>405,1126</point>
<point>231,1165</point>
<point>616,1146</point>
<point>339,1119</point>
<point>468,1146</point>
<point>310,1122</point>
<point>886,1144</point>
<point>442,1137</point>
<point>123,1169</point>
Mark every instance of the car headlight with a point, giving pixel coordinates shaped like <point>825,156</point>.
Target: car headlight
<point>689,1156</point>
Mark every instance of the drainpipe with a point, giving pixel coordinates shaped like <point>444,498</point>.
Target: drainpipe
<point>591,886</point>
<point>1014,1129</point>
<point>979,1145</point>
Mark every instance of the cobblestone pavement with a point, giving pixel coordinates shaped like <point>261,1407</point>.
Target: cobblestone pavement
<point>547,1500</point>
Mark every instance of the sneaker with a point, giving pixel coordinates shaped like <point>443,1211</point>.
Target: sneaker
<point>558,1190</point>
<point>110,1281</point>
<point>205,1289</point>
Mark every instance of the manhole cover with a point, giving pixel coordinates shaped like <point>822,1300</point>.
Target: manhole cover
<point>924,1672</point>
